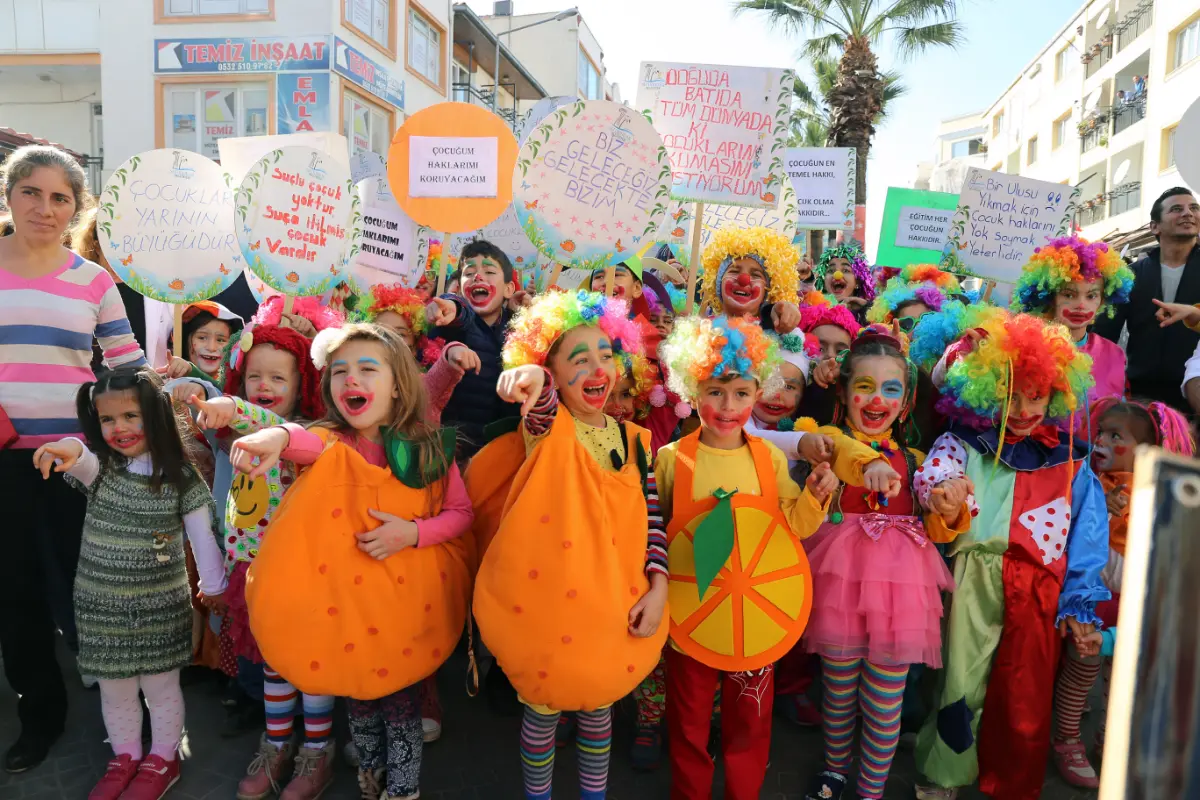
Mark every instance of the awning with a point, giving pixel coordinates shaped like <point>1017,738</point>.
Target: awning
<point>11,139</point>
<point>473,33</point>
<point>1136,240</point>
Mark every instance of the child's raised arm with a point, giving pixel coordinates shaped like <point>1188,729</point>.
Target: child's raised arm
<point>256,453</point>
<point>68,455</point>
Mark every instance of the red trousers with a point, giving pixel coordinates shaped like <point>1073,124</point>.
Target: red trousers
<point>746,699</point>
<point>796,671</point>
<point>1014,729</point>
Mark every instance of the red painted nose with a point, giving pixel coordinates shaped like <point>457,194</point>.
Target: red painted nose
<point>743,279</point>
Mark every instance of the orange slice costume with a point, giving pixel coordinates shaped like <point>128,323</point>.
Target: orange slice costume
<point>555,586</point>
<point>331,619</point>
<point>756,608</point>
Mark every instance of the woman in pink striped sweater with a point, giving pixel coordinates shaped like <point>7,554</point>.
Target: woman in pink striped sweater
<point>52,304</point>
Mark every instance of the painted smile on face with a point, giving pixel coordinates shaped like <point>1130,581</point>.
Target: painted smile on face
<point>743,287</point>
<point>121,423</point>
<point>1027,413</point>
<point>479,292</point>
<point>354,401</point>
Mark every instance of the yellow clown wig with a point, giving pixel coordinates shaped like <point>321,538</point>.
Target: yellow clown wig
<point>534,330</point>
<point>700,349</point>
<point>772,250</point>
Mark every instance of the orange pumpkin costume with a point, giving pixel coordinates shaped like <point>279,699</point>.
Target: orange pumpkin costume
<point>555,587</point>
<point>331,619</point>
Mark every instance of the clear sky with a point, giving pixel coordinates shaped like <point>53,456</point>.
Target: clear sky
<point>1002,37</point>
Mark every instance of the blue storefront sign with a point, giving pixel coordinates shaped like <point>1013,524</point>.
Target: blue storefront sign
<point>266,54</point>
<point>301,102</point>
<point>352,65</point>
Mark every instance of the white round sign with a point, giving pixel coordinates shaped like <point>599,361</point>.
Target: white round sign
<point>1187,154</point>
<point>165,224</point>
<point>298,220</point>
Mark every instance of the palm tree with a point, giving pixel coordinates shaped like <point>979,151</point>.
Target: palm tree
<point>853,27</point>
<point>809,125</point>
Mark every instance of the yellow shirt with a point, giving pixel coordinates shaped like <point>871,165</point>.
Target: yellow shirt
<point>598,442</point>
<point>734,469</point>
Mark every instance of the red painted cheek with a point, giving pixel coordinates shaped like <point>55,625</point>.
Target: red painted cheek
<point>858,400</point>
<point>708,414</point>
<point>895,404</point>
<point>1119,450</point>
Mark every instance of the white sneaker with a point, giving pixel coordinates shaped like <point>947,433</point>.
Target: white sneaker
<point>350,753</point>
<point>89,681</point>
<point>431,729</point>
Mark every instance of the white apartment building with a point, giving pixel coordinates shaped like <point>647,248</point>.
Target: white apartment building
<point>111,78</point>
<point>1076,115</point>
<point>961,143</point>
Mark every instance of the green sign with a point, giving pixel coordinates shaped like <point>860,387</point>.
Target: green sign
<point>915,226</point>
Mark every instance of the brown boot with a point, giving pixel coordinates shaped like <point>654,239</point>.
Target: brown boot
<point>267,772</point>
<point>371,784</point>
<point>314,773</point>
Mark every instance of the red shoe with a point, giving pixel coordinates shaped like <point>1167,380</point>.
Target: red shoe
<point>118,775</point>
<point>154,777</point>
<point>1072,761</point>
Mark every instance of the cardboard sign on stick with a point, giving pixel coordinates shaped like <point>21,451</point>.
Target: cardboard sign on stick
<point>823,180</point>
<point>165,224</point>
<point>298,220</point>
<point>591,183</point>
<point>915,226</point>
<point>1001,219</point>
<point>725,128</point>
<point>394,247</point>
<point>449,164</point>
<point>506,233</point>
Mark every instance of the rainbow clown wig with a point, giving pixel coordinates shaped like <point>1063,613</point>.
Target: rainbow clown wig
<point>916,283</point>
<point>408,303</point>
<point>934,333</point>
<point>534,330</point>
<point>1068,260</point>
<point>773,252</point>
<point>865,284</point>
<point>643,376</point>
<point>1017,353</point>
<point>700,349</point>
<point>818,311</point>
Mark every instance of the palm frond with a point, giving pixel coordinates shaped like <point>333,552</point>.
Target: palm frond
<point>912,41</point>
<point>802,93</point>
<point>794,16</point>
<point>820,47</point>
<point>915,12</point>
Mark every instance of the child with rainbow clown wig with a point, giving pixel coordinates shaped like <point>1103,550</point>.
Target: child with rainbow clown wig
<point>916,290</point>
<point>723,366</point>
<point>751,272</point>
<point>571,590</point>
<point>844,275</point>
<point>1072,281</point>
<point>1028,571</point>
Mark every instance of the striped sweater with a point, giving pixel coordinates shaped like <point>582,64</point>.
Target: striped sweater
<point>46,329</point>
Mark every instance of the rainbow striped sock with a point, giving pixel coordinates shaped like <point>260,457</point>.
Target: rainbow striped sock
<point>279,701</point>
<point>537,753</point>
<point>839,708</point>
<point>318,719</point>
<point>880,697</point>
<point>594,744</point>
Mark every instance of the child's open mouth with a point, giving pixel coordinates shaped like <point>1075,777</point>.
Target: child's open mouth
<point>266,400</point>
<point>595,392</point>
<point>125,441</point>
<point>1078,318</point>
<point>356,401</point>
<point>837,287</point>
<point>208,362</point>
<point>874,416</point>
<point>480,294</point>
<point>1102,456</point>
<point>774,409</point>
<point>741,294</point>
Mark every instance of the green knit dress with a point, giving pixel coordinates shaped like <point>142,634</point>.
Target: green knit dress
<point>132,601</point>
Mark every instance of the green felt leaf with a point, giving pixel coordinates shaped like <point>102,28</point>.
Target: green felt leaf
<point>402,456</point>
<point>713,542</point>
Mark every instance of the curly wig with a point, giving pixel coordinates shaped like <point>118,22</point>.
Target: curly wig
<point>1018,352</point>
<point>643,375</point>
<point>934,333</point>
<point>1068,260</point>
<point>399,299</point>
<point>818,311</point>
<point>701,348</point>
<point>864,283</point>
<point>772,250</point>
<point>916,283</point>
<point>534,330</point>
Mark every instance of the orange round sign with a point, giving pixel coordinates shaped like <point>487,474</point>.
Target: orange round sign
<point>450,167</point>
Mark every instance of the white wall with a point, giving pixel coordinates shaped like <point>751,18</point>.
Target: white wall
<point>57,26</point>
<point>59,112</point>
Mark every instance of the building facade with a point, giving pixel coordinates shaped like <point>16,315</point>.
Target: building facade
<point>1097,108</point>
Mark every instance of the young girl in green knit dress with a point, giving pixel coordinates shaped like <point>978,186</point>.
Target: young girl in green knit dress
<point>132,601</point>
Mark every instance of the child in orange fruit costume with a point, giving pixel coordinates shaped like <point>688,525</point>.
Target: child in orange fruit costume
<point>739,589</point>
<point>570,593</point>
<point>361,589</point>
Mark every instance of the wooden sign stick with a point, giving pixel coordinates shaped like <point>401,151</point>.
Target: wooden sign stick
<point>554,273</point>
<point>694,266</point>
<point>177,337</point>
<point>987,292</point>
<point>287,303</point>
<point>441,281</point>
<point>610,280</point>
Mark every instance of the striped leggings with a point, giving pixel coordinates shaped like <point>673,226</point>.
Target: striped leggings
<point>856,686</point>
<point>279,699</point>
<point>594,743</point>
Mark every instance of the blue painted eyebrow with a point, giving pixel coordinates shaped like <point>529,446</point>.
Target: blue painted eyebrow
<point>604,345</point>
<point>368,360</point>
<point>339,361</point>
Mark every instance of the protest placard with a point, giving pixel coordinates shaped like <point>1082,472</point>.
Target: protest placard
<point>676,229</point>
<point>298,220</point>
<point>506,233</point>
<point>541,109</point>
<point>394,248</point>
<point>591,183</point>
<point>914,228</point>
<point>165,224</point>
<point>725,128</point>
<point>822,179</point>
<point>1001,219</point>
<point>449,167</point>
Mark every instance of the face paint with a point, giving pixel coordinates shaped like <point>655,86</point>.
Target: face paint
<point>876,393</point>
<point>725,407</point>
<point>783,403</point>
<point>121,423</point>
<point>1026,413</point>
<point>840,280</point>
<point>484,287</point>
<point>272,379</point>
<point>207,343</point>
<point>1115,444</point>
<point>1076,305</point>
<point>743,286</point>
<point>363,385</point>
<point>585,371</point>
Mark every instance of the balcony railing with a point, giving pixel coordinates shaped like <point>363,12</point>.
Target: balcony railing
<point>1129,113</point>
<point>1126,197</point>
<point>1098,58</point>
<point>1134,24</point>
<point>482,96</point>
<point>1093,130</point>
<point>1090,214</point>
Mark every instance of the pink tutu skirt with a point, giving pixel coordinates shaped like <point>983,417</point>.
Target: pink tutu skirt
<point>877,599</point>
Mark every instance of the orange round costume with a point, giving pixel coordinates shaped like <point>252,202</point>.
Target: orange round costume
<point>331,619</point>
<point>555,587</point>
<point>489,477</point>
<point>757,607</point>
